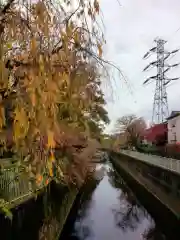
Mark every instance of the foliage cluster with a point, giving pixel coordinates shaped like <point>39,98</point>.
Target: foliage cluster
<point>50,82</point>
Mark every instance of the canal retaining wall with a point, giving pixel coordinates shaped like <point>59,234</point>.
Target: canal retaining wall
<point>83,197</point>
<point>58,210</point>
<point>166,217</point>
<point>40,218</point>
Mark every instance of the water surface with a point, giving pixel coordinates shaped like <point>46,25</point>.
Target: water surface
<point>112,212</point>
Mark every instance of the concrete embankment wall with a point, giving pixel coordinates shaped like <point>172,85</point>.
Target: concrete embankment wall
<point>60,205</point>
<point>58,217</point>
<point>40,218</point>
<point>164,216</point>
<point>82,198</point>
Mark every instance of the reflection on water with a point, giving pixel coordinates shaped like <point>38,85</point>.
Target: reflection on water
<point>112,212</point>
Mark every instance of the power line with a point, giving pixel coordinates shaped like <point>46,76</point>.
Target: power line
<point>172,35</point>
<point>160,104</point>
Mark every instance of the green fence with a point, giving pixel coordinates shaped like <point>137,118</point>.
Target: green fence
<point>15,184</point>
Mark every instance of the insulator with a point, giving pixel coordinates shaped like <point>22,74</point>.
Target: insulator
<point>147,80</point>
<point>152,63</point>
<point>167,69</point>
<point>153,49</point>
<point>175,51</point>
<point>167,56</point>
<point>166,83</point>
<point>146,67</point>
<point>146,55</point>
<point>153,77</point>
<point>174,65</point>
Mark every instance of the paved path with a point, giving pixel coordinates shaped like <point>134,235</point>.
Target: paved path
<point>169,164</point>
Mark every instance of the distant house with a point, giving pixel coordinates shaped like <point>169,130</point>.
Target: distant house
<point>174,127</point>
<point>156,134</point>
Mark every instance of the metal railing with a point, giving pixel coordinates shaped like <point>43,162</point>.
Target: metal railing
<point>13,184</point>
<point>16,185</point>
<point>169,164</point>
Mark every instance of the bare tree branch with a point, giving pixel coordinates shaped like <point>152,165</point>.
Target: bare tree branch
<point>7,6</point>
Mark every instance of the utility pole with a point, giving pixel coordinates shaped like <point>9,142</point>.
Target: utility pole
<point>160,104</point>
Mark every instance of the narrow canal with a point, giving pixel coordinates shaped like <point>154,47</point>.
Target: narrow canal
<point>110,211</point>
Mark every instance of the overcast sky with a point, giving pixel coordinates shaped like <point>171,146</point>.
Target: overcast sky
<point>130,30</point>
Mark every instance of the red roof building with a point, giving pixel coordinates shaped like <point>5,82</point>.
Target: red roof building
<point>155,133</point>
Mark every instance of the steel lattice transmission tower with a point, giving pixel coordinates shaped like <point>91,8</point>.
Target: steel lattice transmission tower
<point>160,104</point>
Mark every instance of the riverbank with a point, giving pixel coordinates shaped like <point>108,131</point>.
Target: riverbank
<point>167,218</point>
<point>40,218</point>
<point>82,196</point>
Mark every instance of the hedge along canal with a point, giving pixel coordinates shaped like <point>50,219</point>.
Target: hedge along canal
<point>109,210</point>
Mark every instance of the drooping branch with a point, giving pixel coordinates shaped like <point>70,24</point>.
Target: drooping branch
<point>55,90</point>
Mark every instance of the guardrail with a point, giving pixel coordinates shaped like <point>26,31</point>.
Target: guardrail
<point>169,164</point>
<point>16,185</point>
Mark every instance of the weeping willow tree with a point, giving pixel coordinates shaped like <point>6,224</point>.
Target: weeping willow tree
<point>50,81</point>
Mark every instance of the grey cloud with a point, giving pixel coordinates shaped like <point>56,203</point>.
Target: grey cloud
<point>130,31</point>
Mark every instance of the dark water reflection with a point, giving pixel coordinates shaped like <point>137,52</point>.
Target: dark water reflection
<point>111,212</point>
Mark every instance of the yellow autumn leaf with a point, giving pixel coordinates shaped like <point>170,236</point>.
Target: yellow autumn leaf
<point>50,169</point>
<point>20,116</point>
<point>33,99</point>
<point>17,131</point>
<point>69,30</point>
<point>2,117</point>
<point>9,45</point>
<point>52,158</point>
<point>76,37</point>
<point>51,172</point>
<point>65,77</point>
<point>99,50</point>
<point>41,63</point>
<point>51,142</point>
<point>33,45</point>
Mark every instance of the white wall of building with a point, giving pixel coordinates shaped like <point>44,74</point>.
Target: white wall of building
<point>174,130</point>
